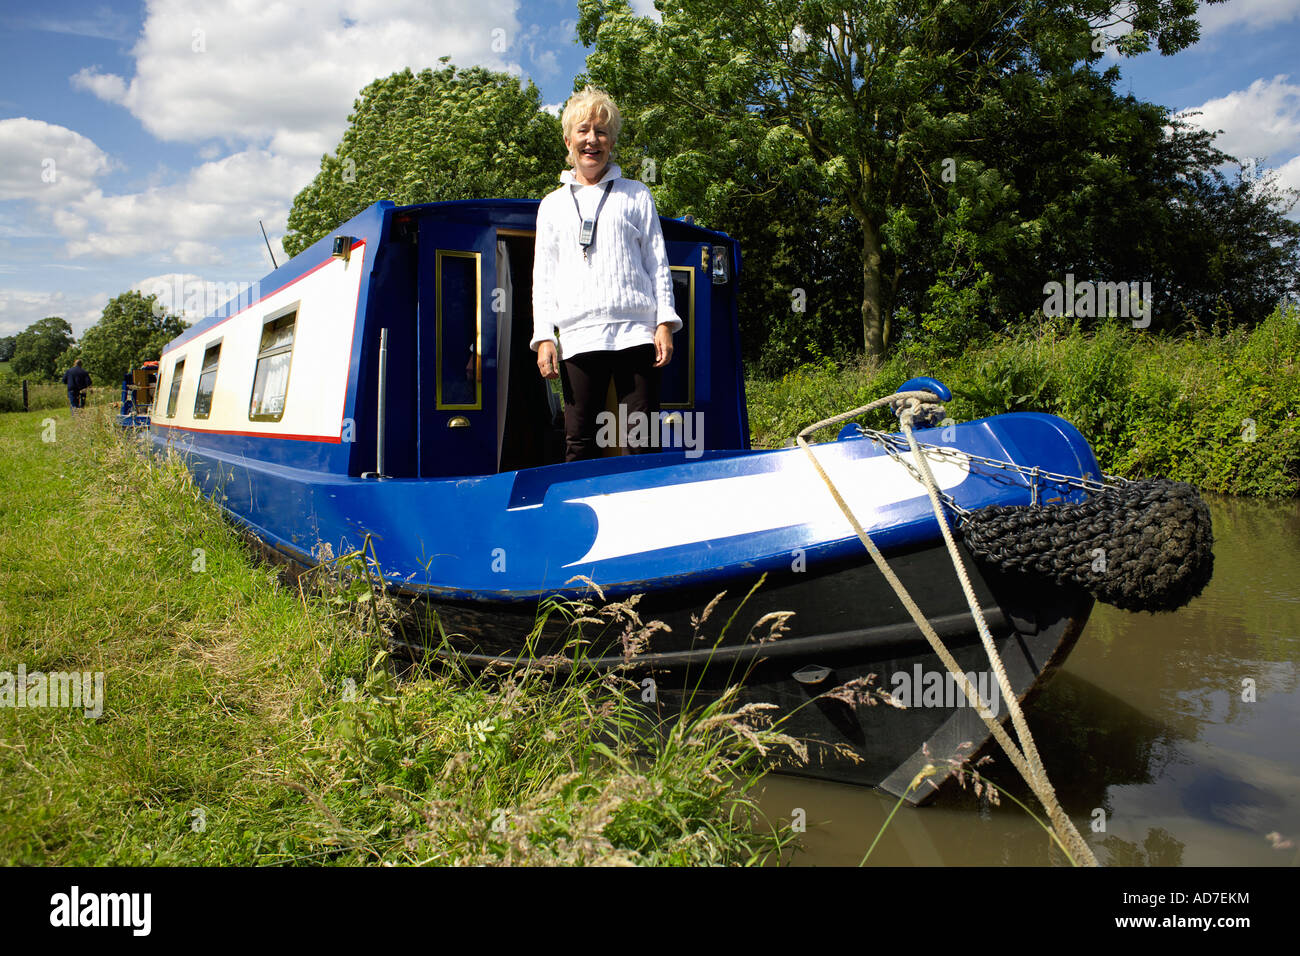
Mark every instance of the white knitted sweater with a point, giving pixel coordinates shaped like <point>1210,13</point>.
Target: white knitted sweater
<point>625,279</point>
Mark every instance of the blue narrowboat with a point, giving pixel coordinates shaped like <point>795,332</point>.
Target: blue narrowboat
<point>380,384</point>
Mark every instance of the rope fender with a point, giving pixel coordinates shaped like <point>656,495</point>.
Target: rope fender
<point>1140,546</point>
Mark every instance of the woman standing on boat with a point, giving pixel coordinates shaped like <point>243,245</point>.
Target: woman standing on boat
<point>602,290</point>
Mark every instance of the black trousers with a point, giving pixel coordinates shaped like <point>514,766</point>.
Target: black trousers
<point>585,380</point>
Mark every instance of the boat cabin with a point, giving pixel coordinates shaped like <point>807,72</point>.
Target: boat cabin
<point>295,371</point>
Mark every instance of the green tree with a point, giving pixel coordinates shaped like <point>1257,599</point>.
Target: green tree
<point>1134,194</point>
<point>7,347</point>
<point>1230,251</point>
<point>38,347</point>
<point>430,136</point>
<point>133,328</point>
<point>866,105</point>
<point>69,356</point>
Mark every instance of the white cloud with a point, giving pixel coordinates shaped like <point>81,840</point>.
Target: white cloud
<point>102,24</point>
<point>247,73</point>
<point>1288,177</point>
<point>262,91</point>
<point>274,83</point>
<point>1262,120</point>
<point>107,86</point>
<point>69,223</point>
<point>543,43</point>
<point>218,201</point>
<point>1248,14</point>
<point>19,308</point>
<point>191,252</point>
<point>46,162</point>
<point>546,62</point>
<point>646,8</point>
<point>310,144</point>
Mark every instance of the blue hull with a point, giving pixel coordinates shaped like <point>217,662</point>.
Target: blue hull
<point>517,537</point>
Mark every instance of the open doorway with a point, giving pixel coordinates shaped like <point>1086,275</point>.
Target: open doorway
<point>532,426</point>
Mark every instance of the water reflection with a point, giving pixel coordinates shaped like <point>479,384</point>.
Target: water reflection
<point>1176,732</point>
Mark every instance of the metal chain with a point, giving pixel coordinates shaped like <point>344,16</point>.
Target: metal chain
<point>925,402</point>
<point>894,445</point>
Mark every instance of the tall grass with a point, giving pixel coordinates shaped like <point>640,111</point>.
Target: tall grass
<point>1220,410</point>
<point>47,395</point>
<point>250,722</point>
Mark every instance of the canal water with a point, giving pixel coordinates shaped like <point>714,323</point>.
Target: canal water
<point>1171,739</point>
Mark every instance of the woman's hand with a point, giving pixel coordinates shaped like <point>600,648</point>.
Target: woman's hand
<point>548,362</point>
<point>663,345</point>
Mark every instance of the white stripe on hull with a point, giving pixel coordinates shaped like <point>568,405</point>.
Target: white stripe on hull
<point>633,522</point>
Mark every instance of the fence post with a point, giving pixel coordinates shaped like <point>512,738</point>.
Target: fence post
<point>25,408</point>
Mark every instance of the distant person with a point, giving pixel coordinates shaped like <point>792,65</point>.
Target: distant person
<point>78,380</point>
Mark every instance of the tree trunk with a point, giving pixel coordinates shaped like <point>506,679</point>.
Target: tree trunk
<point>887,334</point>
<point>872,323</point>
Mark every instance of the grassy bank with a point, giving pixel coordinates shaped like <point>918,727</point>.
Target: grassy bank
<point>46,395</point>
<point>1219,410</point>
<point>248,722</point>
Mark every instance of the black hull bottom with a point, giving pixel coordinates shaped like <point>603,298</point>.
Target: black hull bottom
<point>886,747</point>
<point>847,625</point>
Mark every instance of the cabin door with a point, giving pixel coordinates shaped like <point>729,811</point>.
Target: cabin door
<point>680,387</point>
<point>457,349</point>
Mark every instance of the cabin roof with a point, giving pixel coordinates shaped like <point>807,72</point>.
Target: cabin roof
<point>521,213</point>
<point>528,207</point>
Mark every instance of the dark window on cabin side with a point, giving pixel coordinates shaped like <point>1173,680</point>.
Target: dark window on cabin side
<point>459,363</point>
<point>207,381</point>
<point>271,379</point>
<point>677,381</point>
<point>177,371</point>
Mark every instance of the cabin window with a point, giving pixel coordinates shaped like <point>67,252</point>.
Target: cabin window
<point>460,362</point>
<point>177,371</point>
<point>677,384</point>
<point>207,381</point>
<point>271,379</point>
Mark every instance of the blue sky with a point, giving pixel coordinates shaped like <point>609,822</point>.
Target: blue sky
<point>140,142</point>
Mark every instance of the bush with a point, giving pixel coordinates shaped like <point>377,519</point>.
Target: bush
<point>1219,410</point>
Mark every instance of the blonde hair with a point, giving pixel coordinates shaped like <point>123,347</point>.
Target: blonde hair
<point>590,102</point>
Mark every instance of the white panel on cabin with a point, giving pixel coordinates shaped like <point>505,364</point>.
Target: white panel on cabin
<point>318,375</point>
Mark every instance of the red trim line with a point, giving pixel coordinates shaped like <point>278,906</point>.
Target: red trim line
<point>321,439</point>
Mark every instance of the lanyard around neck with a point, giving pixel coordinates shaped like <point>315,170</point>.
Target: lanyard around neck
<point>590,233</point>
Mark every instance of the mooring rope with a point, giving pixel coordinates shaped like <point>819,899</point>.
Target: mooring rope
<point>909,405</point>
